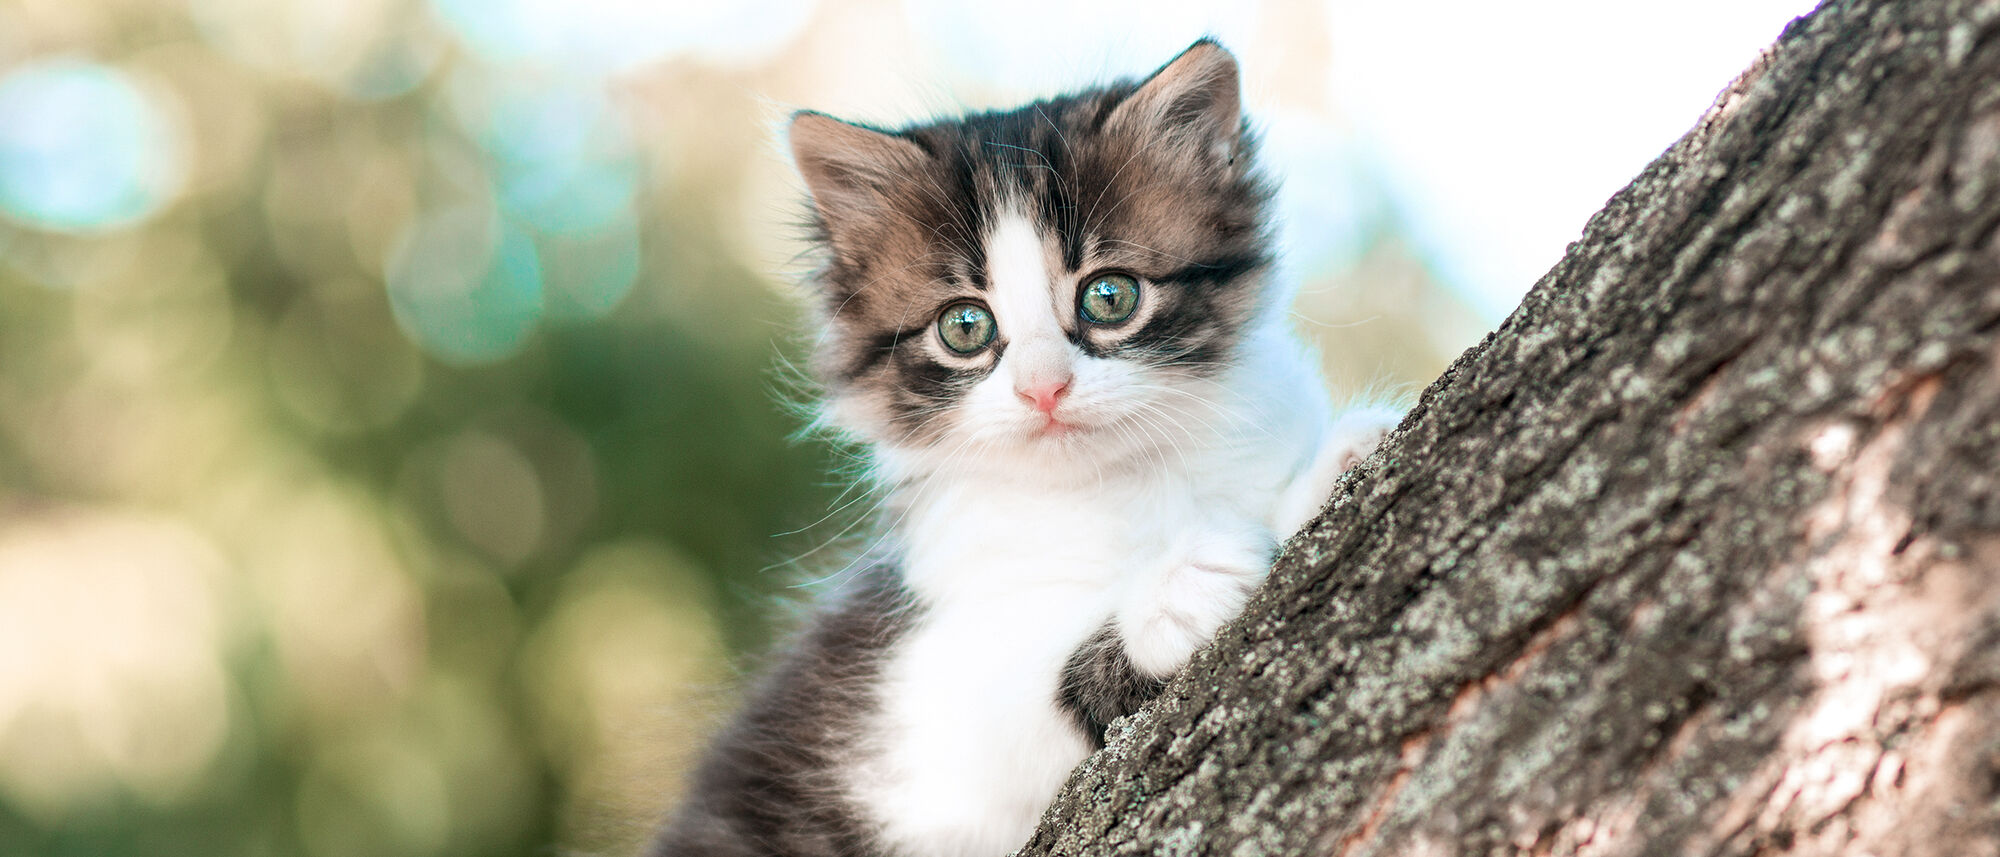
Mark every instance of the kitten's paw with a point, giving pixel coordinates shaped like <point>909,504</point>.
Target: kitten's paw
<point>1354,434</point>
<point>1204,583</point>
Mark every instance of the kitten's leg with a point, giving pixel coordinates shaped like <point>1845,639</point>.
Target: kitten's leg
<point>1354,434</point>
<point>1100,684</point>
<point>1203,582</point>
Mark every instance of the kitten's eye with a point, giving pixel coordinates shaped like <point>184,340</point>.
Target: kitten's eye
<point>966,328</point>
<point>1109,298</point>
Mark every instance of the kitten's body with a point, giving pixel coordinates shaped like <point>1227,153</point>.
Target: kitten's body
<point>1017,570</point>
<point>1074,505</point>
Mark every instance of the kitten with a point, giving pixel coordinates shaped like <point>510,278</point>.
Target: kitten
<point>1053,329</point>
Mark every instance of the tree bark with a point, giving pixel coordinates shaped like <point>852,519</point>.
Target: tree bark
<point>1696,554</point>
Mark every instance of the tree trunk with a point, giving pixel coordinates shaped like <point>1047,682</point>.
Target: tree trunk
<point>1697,554</point>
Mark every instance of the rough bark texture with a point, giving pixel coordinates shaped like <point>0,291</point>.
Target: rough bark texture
<point>1697,554</point>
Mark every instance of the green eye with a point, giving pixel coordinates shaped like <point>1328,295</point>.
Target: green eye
<point>966,328</point>
<point>1109,298</point>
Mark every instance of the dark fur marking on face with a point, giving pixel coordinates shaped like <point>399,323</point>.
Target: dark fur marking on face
<point>1080,336</point>
<point>925,387</point>
<point>1175,337</point>
<point>929,380</point>
<point>1196,315</point>
<point>878,349</point>
<point>1222,271</point>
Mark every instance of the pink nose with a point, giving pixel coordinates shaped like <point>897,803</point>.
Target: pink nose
<point>1044,396</point>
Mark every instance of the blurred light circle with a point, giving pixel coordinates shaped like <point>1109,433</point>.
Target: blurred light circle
<point>381,792</point>
<point>369,49</point>
<point>344,616</point>
<point>380,205</point>
<point>340,365</point>
<point>608,36</point>
<point>82,148</point>
<point>491,796</point>
<point>589,274</point>
<point>562,159</point>
<point>394,67</point>
<point>113,630</point>
<point>80,261</point>
<point>503,30</point>
<point>567,195</point>
<point>465,286</point>
<point>565,469</point>
<point>493,496</point>
<point>631,637</point>
<point>222,111</point>
<point>168,315</point>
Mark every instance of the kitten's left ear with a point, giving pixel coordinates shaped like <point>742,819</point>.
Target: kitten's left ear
<point>855,174</point>
<point>1192,102</point>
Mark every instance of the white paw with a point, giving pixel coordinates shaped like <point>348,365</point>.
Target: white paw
<point>1354,434</point>
<point>1203,583</point>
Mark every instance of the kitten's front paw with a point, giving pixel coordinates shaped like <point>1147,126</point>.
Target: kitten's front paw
<point>1353,435</point>
<point>1204,583</point>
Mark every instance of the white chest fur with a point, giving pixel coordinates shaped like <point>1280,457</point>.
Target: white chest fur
<point>969,745</point>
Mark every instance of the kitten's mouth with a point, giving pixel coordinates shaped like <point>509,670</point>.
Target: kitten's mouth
<point>1055,428</point>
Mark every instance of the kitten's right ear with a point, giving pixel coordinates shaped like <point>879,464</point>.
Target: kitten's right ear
<point>1192,103</point>
<point>853,173</point>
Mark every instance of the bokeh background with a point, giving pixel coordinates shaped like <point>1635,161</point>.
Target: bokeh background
<point>394,456</point>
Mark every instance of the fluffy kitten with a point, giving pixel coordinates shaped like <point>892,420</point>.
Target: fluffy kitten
<point>1052,327</point>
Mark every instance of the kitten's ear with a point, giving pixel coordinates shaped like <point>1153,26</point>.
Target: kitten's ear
<point>1192,102</point>
<point>852,172</point>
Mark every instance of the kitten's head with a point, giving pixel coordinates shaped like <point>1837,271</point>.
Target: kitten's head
<point>1061,283</point>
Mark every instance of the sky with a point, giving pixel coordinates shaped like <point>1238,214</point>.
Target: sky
<point>1506,125</point>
